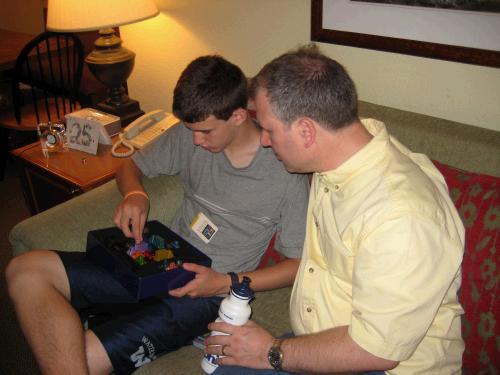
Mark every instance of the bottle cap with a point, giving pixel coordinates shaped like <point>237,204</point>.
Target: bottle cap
<point>242,290</point>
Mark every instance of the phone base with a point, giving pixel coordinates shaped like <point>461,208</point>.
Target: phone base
<point>127,112</point>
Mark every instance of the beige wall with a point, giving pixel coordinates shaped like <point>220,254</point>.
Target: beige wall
<point>23,16</point>
<point>250,33</point>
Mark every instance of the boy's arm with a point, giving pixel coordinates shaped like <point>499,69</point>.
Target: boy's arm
<point>276,276</point>
<point>129,177</point>
<point>131,214</point>
<point>208,282</point>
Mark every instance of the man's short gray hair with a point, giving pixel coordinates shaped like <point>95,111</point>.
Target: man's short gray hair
<point>306,83</point>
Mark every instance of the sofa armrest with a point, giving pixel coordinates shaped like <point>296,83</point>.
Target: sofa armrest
<point>65,226</point>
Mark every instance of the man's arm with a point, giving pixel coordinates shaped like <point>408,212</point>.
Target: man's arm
<point>330,351</point>
<point>131,214</point>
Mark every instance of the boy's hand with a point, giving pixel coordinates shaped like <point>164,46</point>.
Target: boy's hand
<point>206,283</point>
<point>130,216</point>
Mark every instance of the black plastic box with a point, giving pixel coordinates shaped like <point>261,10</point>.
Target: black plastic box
<point>108,248</point>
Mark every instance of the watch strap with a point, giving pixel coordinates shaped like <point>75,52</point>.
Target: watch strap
<point>234,279</point>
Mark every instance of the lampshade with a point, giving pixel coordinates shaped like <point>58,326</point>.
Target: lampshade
<point>110,62</point>
<point>87,15</point>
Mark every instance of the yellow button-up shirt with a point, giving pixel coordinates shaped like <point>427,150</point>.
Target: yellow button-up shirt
<point>382,255</point>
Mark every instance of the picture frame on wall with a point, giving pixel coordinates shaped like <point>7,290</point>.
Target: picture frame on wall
<point>464,36</point>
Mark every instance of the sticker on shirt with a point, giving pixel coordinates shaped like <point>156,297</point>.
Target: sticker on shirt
<point>203,227</point>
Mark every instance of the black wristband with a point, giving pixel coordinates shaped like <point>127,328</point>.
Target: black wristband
<point>234,279</point>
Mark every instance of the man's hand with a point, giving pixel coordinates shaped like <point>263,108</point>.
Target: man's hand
<point>206,283</point>
<point>245,346</point>
<point>131,214</point>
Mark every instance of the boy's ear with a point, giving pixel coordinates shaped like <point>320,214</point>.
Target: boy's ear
<point>307,131</point>
<point>239,116</point>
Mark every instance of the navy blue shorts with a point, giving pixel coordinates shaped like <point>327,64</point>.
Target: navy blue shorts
<point>134,333</point>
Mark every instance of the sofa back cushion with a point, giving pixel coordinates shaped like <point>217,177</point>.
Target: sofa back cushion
<point>477,198</point>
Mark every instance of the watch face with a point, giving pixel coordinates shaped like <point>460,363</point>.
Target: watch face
<point>275,357</point>
<point>51,139</point>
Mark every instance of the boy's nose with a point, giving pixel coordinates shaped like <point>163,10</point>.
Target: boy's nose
<point>197,138</point>
<point>265,141</point>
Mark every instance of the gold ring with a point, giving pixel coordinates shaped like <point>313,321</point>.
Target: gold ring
<point>222,350</point>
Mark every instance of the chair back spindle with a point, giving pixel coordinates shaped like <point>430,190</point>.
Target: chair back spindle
<point>52,65</point>
<point>45,86</point>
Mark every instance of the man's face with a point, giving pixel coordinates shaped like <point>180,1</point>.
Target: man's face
<point>212,134</point>
<point>284,139</point>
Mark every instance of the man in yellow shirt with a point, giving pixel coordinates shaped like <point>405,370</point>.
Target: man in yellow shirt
<point>377,286</point>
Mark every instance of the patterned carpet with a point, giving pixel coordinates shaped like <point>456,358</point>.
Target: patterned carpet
<point>15,357</point>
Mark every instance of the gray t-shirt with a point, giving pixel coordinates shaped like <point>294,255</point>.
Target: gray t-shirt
<point>248,205</point>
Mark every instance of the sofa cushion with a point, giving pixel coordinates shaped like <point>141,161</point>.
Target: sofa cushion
<point>477,198</point>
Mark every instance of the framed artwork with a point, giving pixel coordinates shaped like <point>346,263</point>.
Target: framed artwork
<point>418,28</point>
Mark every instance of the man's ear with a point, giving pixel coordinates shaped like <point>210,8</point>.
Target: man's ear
<point>239,116</point>
<point>307,131</point>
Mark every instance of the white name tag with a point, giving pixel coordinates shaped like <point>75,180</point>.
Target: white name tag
<point>203,227</point>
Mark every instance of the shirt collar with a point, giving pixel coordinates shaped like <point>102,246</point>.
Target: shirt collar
<point>364,159</point>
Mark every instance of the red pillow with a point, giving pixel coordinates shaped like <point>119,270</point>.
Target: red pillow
<point>271,256</point>
<point>477,198</point>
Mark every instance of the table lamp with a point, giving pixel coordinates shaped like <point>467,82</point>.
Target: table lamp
<point>110,63</point>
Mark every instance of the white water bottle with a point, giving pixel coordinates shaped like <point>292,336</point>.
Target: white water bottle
<point>234,309</point>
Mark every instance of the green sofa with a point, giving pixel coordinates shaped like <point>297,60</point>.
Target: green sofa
<point>473,149</point>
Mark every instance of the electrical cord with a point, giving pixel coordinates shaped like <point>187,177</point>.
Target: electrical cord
<point>120,142</point>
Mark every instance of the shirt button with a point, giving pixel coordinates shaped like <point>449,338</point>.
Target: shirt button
<point>311,270</point>
<point>326,190</point>
<point>336,187</point>
<point>309,309</point>
<point>316,223</point>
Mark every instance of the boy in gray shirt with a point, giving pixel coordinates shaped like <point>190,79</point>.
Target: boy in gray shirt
<point>234,186</point>
<point>247,204</point>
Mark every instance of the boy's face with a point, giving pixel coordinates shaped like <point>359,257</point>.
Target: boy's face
<point>212,134</point>
<point>284,139</point>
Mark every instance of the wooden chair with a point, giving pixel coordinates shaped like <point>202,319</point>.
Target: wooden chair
<point>45,86</point>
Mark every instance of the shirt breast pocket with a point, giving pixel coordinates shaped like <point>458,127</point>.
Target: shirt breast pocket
<point>337,251</point>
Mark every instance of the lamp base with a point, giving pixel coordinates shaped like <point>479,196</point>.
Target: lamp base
<point>127,112</point>
<point>112,64</point>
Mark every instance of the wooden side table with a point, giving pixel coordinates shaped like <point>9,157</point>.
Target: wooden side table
<point>49,181</point>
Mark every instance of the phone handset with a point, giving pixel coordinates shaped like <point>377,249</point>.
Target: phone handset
<point>143,122</point>
<point>134,129</point>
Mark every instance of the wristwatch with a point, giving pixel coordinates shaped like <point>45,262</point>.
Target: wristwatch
<point>275,355</point>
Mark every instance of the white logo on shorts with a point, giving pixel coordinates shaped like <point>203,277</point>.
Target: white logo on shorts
<point>139,357</point>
